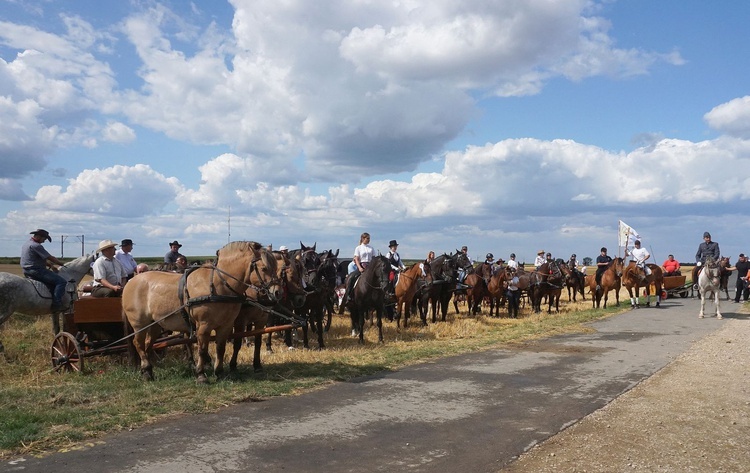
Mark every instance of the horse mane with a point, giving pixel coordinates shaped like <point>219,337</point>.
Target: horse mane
<point>241,246</point>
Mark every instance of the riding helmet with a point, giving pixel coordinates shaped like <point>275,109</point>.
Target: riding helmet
<point>489,256</point>
<point>706,235</point>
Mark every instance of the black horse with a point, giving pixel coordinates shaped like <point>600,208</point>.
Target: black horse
<point>444,278</point>
<point>372,290</point>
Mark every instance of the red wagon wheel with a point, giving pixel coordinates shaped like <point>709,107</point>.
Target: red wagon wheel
<point>66,353</point>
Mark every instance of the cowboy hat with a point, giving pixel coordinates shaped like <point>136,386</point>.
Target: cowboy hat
<point>283,248</point>
<point>104,244</point>
<point>42,233</point>
<point>175,243</point>
<point>540,252</point>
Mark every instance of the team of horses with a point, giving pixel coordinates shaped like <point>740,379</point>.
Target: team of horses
<point>249,288</point>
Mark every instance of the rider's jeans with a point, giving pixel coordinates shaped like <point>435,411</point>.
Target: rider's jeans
<point>51,279</point>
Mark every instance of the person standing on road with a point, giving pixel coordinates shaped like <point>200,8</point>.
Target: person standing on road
<point>34,260</point>
<point>742,288</point>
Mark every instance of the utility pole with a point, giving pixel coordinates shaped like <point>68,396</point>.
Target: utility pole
<point>81,239</point>
<point>229,224</point>
<point>62,245</point>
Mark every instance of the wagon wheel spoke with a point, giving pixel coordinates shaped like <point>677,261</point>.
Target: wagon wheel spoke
<point>66,354</point>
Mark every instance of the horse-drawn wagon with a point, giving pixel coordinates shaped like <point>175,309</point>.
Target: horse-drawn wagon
<point>676,286</point>
<point>95,326</point>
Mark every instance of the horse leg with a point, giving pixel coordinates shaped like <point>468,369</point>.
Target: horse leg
<point>202,337</point>
<point>257,366</point>
<point>703,304</point>
<point>361,325</point>
<point>55,322</point>
<point>236,347</point>
<point>319,322</point>
<point>222,335</point>
<point>379,313</point>
<point>716,300</point>
<point>139,342</point>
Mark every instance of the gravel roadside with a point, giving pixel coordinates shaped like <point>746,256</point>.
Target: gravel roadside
<point>693,415</point>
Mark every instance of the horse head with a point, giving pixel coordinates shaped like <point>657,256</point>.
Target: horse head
<point>462,261</point>
<point>290,273</point>
<point>618,266</point>
<point>247,267</point>
<point>310,262</point>
<point>77,268</point>
<point>444,267</point>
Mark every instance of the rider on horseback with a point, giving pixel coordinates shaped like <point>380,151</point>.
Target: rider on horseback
<point>602,263</point>
<point>706,249</point>
<point>363,254</point>
<point>34,263</point>
<point>640,255</point>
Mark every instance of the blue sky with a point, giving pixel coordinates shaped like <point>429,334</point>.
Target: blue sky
<point>508,126</point>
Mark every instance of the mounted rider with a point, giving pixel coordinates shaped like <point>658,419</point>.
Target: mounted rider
<point>706,249</point>
<point>639,256</point>
<point>363,254</point>
<point>34,260</point>
<point>395,260</point>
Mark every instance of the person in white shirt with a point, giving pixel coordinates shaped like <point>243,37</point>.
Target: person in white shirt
<point>109,275</point>
<point>540,259</point>
<point>512,263</point>
<point>126,259</point>
<point>640,255</point>
<point>363,253</point>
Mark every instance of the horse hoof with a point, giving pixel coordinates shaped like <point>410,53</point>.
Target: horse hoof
<point>700,316</point>
<point>147,374</point>
<point>719,317</point>
<point>201,379</point>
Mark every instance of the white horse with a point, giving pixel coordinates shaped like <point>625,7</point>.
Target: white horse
<point>27,296</point>
<point>709,283</point>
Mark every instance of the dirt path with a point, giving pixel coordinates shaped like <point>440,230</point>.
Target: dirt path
<point>693,415</point>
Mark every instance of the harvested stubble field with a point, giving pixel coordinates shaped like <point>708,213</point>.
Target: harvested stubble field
<point>42,411</point>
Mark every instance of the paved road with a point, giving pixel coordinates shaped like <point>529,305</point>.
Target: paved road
<point>474,412</point>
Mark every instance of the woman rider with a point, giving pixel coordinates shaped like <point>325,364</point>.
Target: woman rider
<point>362,256</point>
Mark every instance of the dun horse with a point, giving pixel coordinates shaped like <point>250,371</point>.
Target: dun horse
<point>203,300</point>
<point>610,281</point>
<point>27,296</point>
<point>252,316</point>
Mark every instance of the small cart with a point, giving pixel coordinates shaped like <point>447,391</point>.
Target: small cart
<point>676,285</point>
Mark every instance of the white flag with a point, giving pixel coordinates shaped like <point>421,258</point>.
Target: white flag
<point>627,235</point>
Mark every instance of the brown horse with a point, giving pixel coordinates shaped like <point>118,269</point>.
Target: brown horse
<point>547,280</point>
<point>724,274</point>
<point>575,281</point>
<point>477,290</point>
<point>634,277</point>
<point>255,316</point>
<point>205,299</point>
<point>496,288</point>
<point>610,281</point>
<point>406,288</point>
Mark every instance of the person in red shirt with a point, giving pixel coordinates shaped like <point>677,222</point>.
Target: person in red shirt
<point>671,267</point>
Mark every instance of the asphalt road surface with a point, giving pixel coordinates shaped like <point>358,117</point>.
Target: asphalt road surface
<point>474,412</point>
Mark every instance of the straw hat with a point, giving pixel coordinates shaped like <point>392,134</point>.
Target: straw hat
<point>104,244</point>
